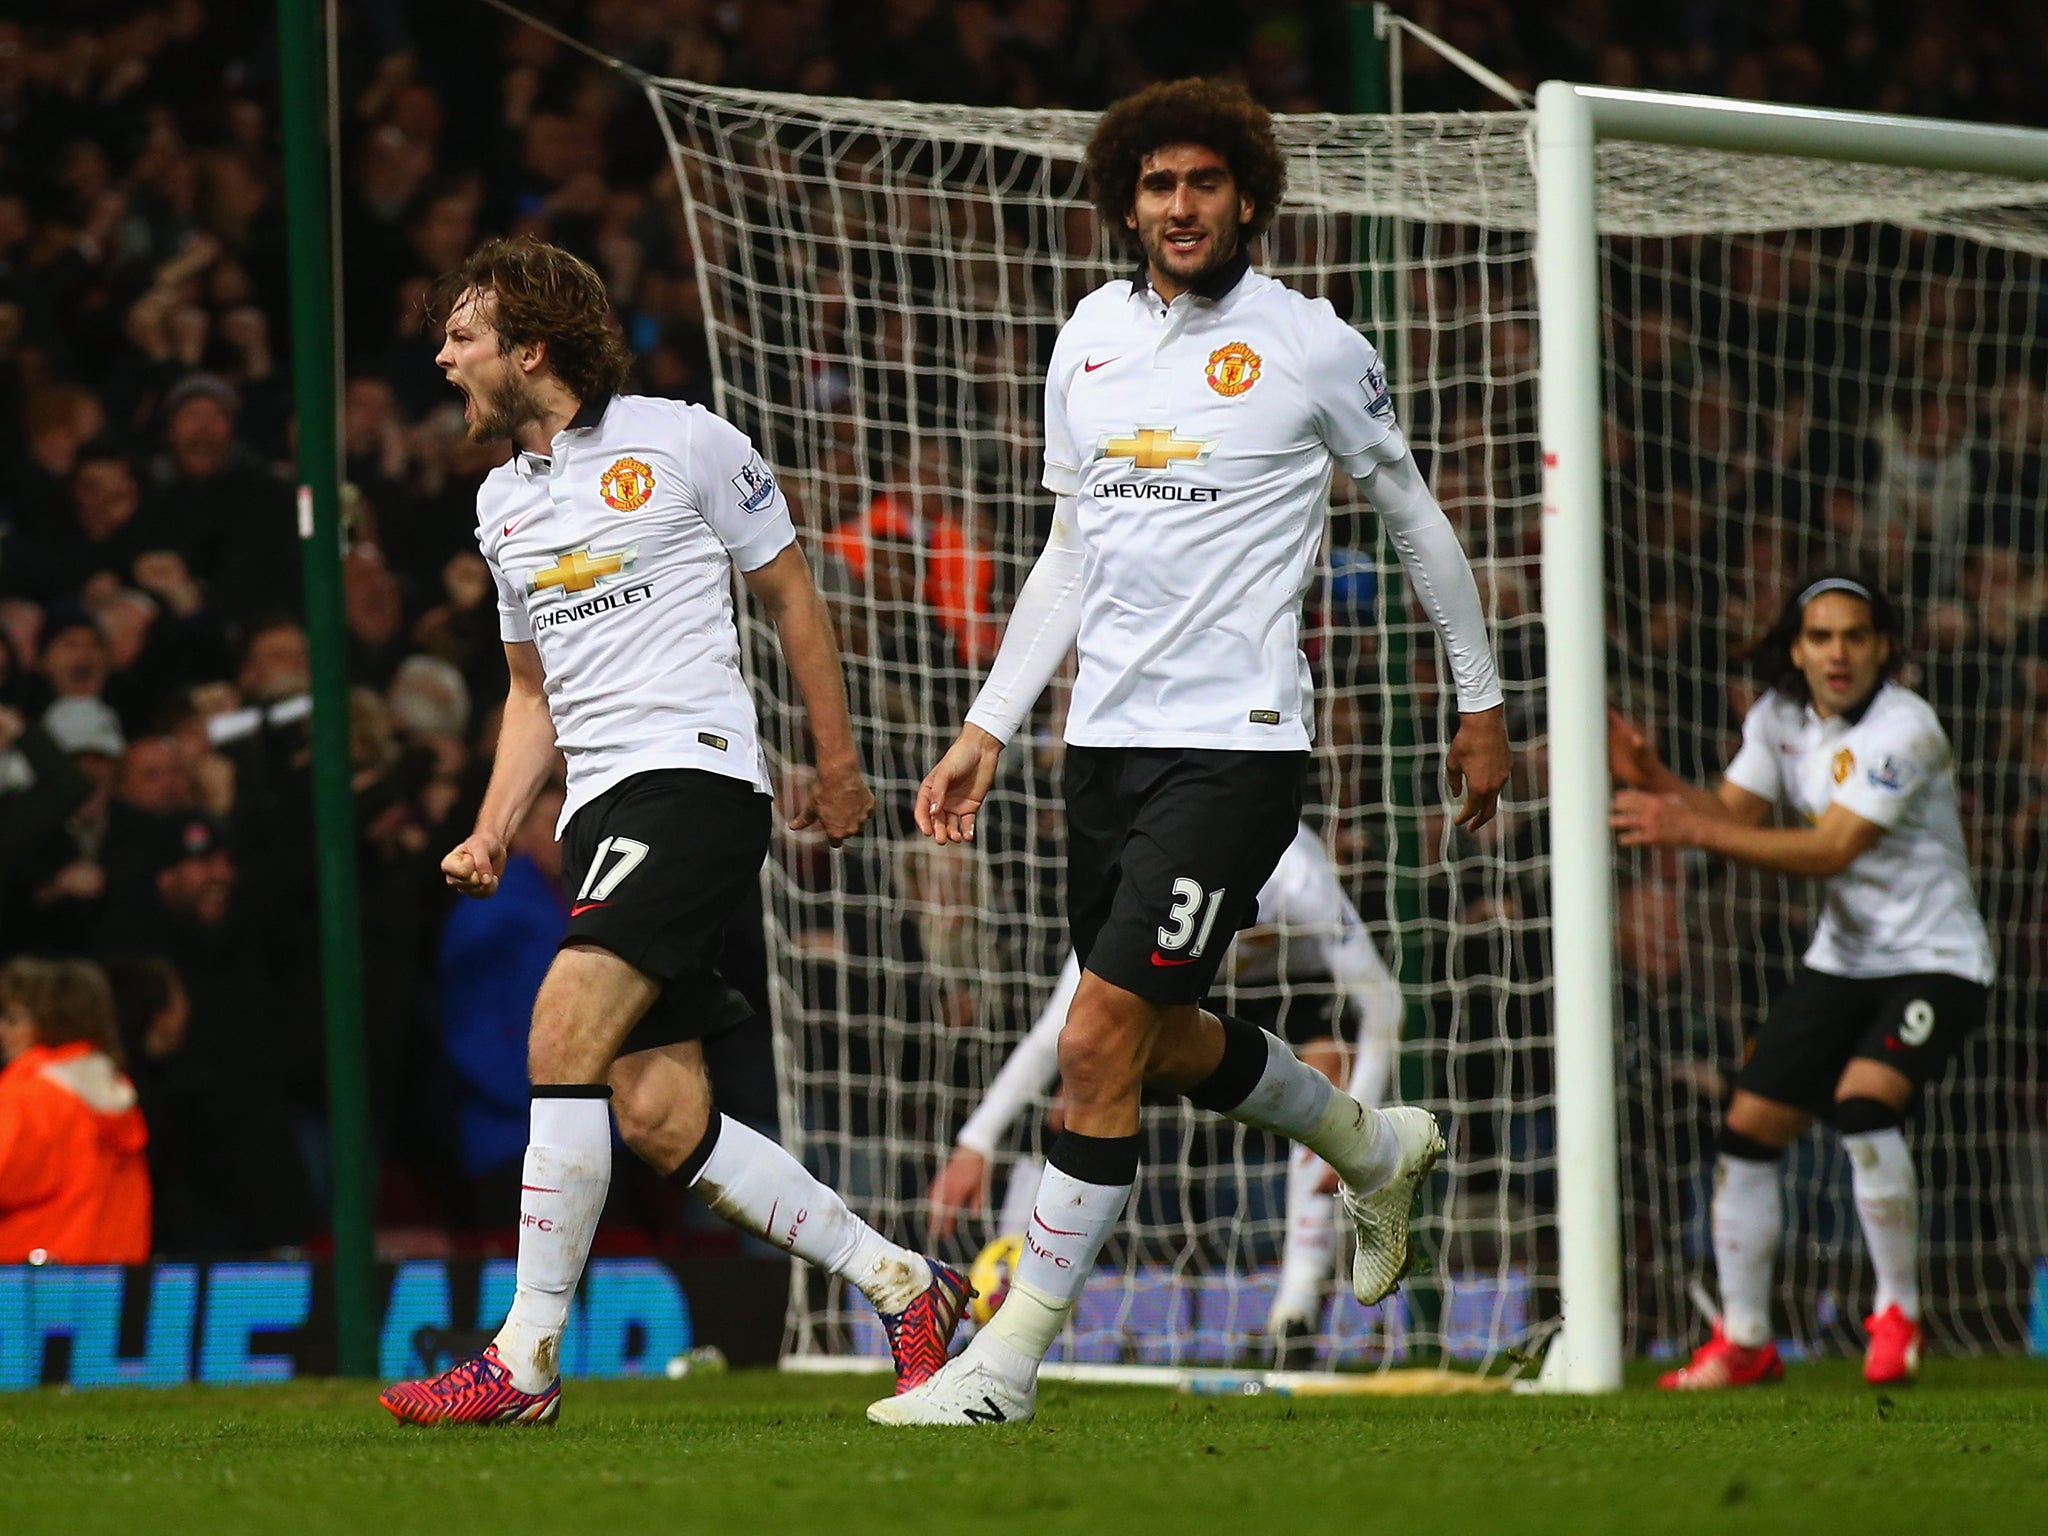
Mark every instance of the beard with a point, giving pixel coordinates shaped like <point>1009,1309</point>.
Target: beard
<point>1223,245</point>
<point>504,411</point>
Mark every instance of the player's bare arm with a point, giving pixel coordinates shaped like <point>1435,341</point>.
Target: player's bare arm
<point>951,794</point>
<point>841,803</point>
<point>1632,761</point>
<point>1478,764</point>
<point>1821,851</point>
<point>960,1187</point>
<point>526,759</point>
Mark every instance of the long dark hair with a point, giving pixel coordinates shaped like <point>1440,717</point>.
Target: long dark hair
<point>1217,114</point>
<point>1772,659</point>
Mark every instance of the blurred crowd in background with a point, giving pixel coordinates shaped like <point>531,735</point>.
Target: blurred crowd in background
<point>155,804</point>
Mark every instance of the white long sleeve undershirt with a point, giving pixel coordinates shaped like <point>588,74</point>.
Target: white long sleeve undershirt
<point>1437,569</point>
<point>1041,631</point>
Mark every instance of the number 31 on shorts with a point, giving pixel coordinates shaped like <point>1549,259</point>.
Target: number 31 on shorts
<point>630,851</point>
<point>1189,899</point>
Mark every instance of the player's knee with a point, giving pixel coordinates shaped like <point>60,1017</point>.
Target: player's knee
<point>1858,1115</point>
<point>661,1118</point>
<point>1099,1058</point>
<point>540,1058</point>
<point>558,1050</point>
<point>549,1060</point>
<point>659,1130</point>
<point>1749,1149</point>
<point>639,1112</point>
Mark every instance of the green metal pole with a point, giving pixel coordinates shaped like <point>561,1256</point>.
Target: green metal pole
<point>303,89</point>
<point>1371,93</point>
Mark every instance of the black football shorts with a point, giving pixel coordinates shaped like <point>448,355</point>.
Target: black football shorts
<point>1820,1023</point>
<point>655,866</point>
<point>1166,851</point>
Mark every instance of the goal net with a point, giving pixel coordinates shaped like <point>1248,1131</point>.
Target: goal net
<point>881,283</point>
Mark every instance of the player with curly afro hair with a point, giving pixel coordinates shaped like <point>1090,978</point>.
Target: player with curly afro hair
<point>1195,411</point>
<point>1216,115</point>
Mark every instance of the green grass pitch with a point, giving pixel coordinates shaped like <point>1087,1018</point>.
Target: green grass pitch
<point>1965,1452</point>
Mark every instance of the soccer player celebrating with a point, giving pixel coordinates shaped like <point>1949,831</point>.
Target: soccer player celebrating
<point>1193,412</point>
<point>612,534</point>
<point>1305,900</point>
<point>1896,974</point>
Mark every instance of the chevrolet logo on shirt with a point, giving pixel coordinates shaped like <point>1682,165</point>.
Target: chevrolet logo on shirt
<point>1156,448</point>
<point>578,570</point>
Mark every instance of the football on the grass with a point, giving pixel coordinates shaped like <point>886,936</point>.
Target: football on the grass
<point>990,1273</point>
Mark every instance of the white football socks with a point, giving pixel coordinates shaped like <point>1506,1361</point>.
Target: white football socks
<point>1888,1200</point>
<point>568,1169</point>
<point>1311,1242</point>
<point>1293,1099</point>
<point>1748,1220</point>
<point>757,1186</point>
<point>1070,1221</point>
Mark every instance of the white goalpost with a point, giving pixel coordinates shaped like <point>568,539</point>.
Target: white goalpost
<point>1572,122</point>
<point>1607,321</point>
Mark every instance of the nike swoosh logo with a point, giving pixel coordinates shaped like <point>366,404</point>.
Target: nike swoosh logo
<point>510,526</point>
<point>1090,367</point>
<point>588,906</point>
<point>1055,1231</point>
<point>1161,960</point>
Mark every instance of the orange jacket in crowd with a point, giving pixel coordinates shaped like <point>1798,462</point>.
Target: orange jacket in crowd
<point>959,580</point>
<point>73,1180</point>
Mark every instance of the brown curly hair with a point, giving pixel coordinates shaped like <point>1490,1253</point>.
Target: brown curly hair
<point>65,1000</point>
<point>1216,114</point>
<point>543,294</point>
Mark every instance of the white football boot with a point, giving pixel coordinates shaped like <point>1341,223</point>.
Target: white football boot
<point>1380,1218</point>
<point>964,1392</point>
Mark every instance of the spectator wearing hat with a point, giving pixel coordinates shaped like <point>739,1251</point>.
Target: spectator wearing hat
<point>74,1185</point>
<point>178,891</point>
<point>41,785</point>
<point>55,889</point>
<point>233,518</point>
<point>74,663</point>
<point>152,787</point>
<point>172,889</point>
<point>222,1184</point>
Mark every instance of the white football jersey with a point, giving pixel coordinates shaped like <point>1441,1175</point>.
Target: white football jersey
<point>1906,904</point>
<point>1197,439</point>
<point>614,556</point>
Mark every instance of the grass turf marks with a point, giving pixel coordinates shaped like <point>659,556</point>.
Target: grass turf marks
<point>1967,1452</point>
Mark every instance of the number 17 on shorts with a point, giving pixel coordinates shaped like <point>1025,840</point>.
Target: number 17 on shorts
<point>616,858</point>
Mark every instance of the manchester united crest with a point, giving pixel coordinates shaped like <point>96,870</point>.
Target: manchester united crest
<point>1845,764</point>
<point>627,485</point>
<point>1233,369</point>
